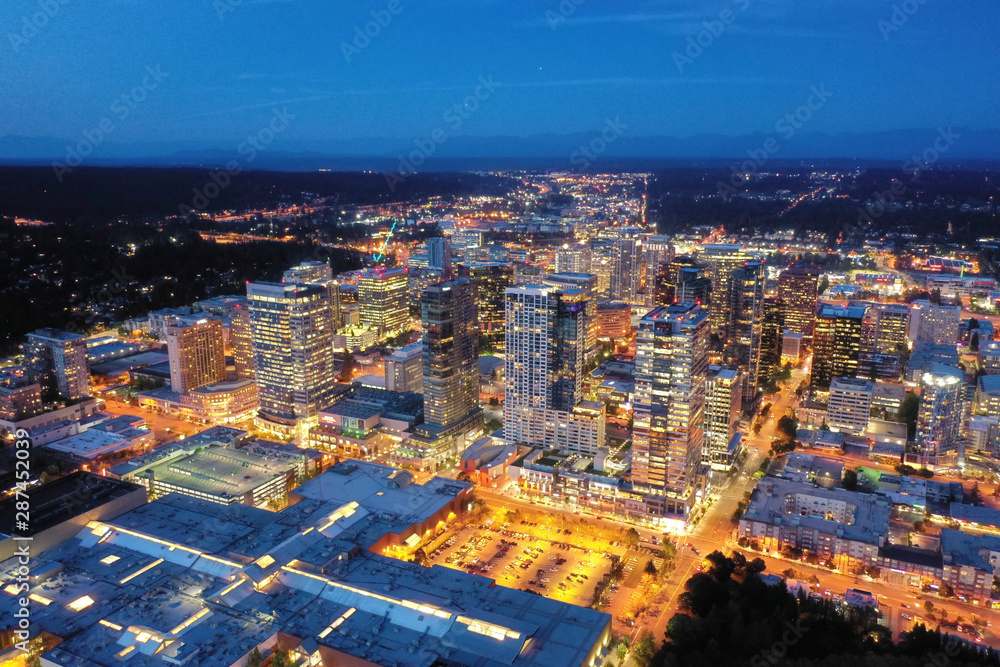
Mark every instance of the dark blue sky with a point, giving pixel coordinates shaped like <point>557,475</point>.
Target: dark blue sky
<point>939,67</point>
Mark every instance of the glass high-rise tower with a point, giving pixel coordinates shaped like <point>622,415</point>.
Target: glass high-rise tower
<point>671,365</point>
<point>291,329</point>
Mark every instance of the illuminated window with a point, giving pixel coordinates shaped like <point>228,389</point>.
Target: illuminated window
<point>41,599</point>
<point>81,603</point>
<point>108,560</point>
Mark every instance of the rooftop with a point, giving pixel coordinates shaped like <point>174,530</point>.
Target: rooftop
<point>774,502</point>
<point>91,444</point>
<point>181,579</point>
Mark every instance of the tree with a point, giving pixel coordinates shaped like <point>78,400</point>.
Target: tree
<point>788,426</point>
<point>255,659</point>
<point>650,568</point>
<point>645,647</point>
<point>974,341</point>
<point>631,538</point>
<point>974,497</point>
<point>756,566</point>
<point>493,425</point>
<point>790,573</point>
<point>701,593</point>
<point>720,567</point>
<point>851,480</point>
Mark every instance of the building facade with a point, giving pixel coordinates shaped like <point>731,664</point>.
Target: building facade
<point>836,343</point>
<point>383,299</point>
<point>57,361</point>
<point>668,435</point>
<point>195,351</point>
<point>292,336</point>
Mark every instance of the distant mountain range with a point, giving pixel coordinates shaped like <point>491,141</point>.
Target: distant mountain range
<point>550,151</point>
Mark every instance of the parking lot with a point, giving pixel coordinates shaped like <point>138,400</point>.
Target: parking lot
<point>553,565</point>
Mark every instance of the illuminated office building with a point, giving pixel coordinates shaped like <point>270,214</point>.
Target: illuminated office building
<point>240,342</point>
<point>492,280</point>
<point>195,352</point>
<point>321,273</point>
<point>722,259</point>
<point>382,295</point>
<point>682,279</point>
<point>670,369</point>
<point>771,336</point>
<point>836,343</point>
<point>452,416</point>
<point>57,361</point>
<point>292,335</point>
<point>656,251</point>
<point>588,283</point>
<point>723,404</point>
<point>747,302</point>
<point>798,287</point>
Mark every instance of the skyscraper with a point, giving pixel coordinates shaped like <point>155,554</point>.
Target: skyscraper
<point>439,255</point>
<point>771,336</point>
<point>588,283</point>
<point>292,336</point>
<point>320,273</point>
<point>573,258</point>
<point>451,352</point>
<point>656,251</point>
<point>57,360</point>
<point>836,343</point>
<point>798,287</point>
<point>546,338</point>
<point>747,285</point>
<point>722,259</point>
<point>382,296</point>
<point>723,404</point>
<point>670,368</point>
<point>241,343</point>
<point>195,352</point>
<point>942,409</point>
<point>492,280</point>
<point>452,416</point>
<point>626,272</point>
<point>682,279</point>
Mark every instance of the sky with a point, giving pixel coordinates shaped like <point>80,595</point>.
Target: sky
<point>208,72</point>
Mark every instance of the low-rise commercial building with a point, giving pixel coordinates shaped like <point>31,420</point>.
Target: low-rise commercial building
<point>180,580</point>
